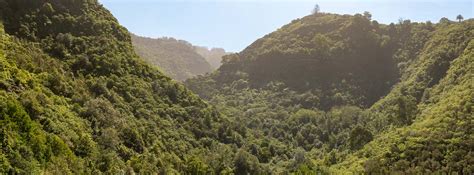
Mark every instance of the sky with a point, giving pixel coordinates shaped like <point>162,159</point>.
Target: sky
<point>235,24</point>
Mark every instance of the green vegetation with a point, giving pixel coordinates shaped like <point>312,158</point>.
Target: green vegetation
<point>344,94</point>
<point>74,97</point>
<point>326,94</point>
<point>177,58</point>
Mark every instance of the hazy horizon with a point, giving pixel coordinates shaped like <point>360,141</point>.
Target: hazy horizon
<point>235,24</point>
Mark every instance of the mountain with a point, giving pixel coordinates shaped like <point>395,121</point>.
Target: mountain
<point>325,94</point>
<point>76,99</point>
<point>434,104</point>
<point>177,58</point>
<point>213,55</point>
<point>348,59</point>
<point>342,94</point>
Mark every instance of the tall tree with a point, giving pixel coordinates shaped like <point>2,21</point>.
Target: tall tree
<point>316,9</point>
<point>459,18</point>
<point>368,15</point>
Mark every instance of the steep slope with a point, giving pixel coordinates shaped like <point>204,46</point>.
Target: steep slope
<point>213,56</point>
<point>435,97</point>
<point>75,98</point>
<point>344,59</point>
<point>177,58</point>
<point>343,94</point>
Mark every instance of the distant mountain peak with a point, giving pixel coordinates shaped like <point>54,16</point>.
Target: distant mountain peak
<point>177,58</point>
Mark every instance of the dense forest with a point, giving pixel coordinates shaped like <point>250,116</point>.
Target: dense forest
<point>177,58</point>
<point>75,98</point>
<point>334,94</point>
<point>325,94</point>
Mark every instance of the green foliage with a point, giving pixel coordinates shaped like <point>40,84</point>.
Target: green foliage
<point>358,137</point>
<point>350,60</point>
<point>351,95</point>
<point>440,140</point>
<point>76,99</point>
<point>324,94</point>
<point>246,163</point>
<point>26,148</point>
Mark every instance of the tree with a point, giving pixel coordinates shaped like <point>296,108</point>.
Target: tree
<point>299,156</point>
<point>358,137</point>
<point>444,20</point>
<point>246,163</point>
<point>316,9</point>
<point>459,18</point>
<point>368,15</point>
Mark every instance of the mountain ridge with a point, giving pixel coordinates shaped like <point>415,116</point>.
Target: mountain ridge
<point>176,57</point>
<point>428,90</point>
<point>325,94</point>
<point>77,99</point>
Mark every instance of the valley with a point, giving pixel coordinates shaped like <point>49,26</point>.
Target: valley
<point>325,94</point>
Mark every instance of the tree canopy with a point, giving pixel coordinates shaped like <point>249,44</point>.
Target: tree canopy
<point>347,94</point>
<point>325,94</point>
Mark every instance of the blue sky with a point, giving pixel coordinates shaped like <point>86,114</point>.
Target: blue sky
<point>234,24</point>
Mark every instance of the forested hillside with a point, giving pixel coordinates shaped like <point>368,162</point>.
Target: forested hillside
<point>177,58</point>
<point>434,104</point>
<point>75,98</point>
<point>343,59</point>
<point>338,93</point>
<point>325,94</point>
